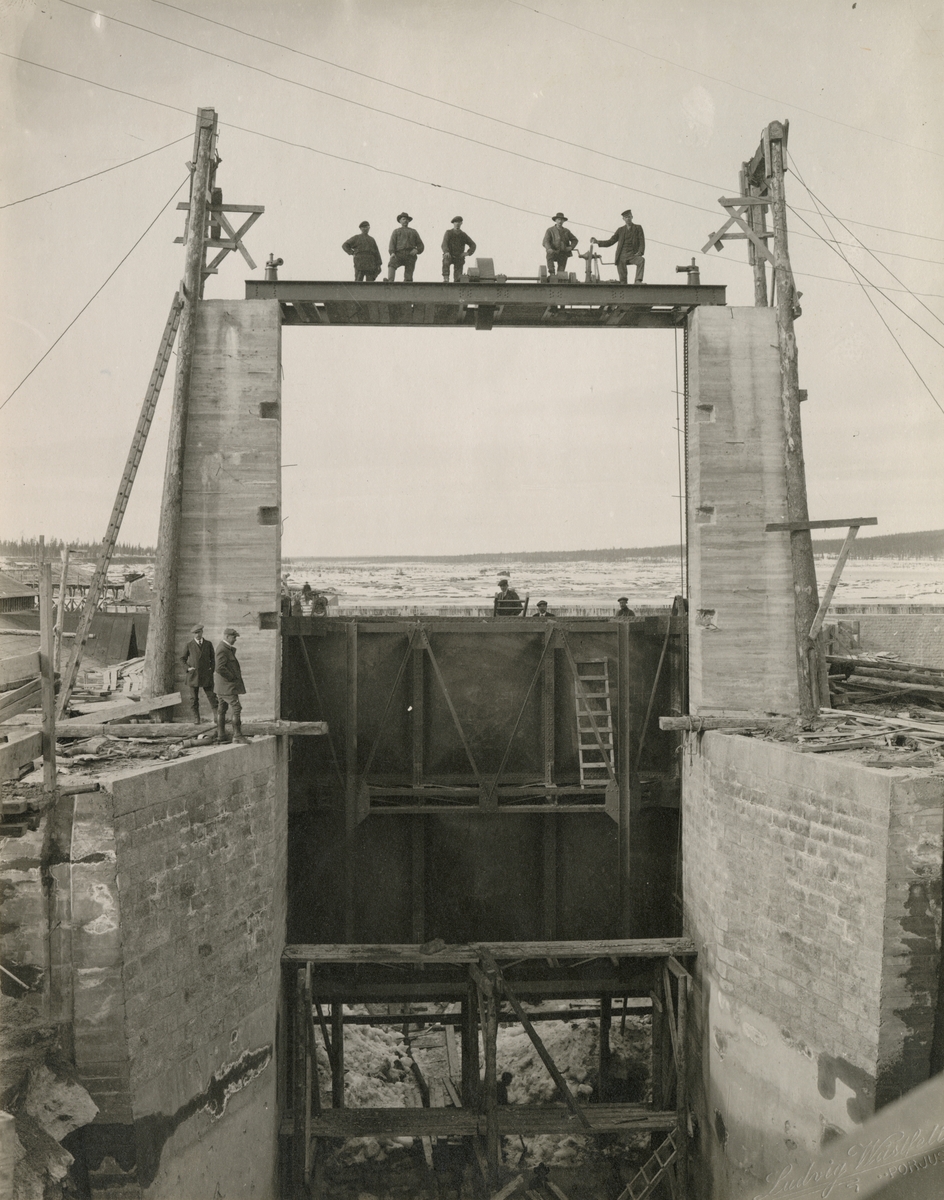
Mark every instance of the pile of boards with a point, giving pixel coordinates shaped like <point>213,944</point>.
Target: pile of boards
<point>900,741</point>
<point>880,678</point>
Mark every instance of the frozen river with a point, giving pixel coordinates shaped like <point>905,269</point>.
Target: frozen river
<point>582,584</point>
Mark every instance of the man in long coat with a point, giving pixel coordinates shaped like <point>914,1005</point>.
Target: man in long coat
<point>405,245</point>
<point>366,254</point>
<point>229,686</point>
<point>199,659</point>
<point>630,242</point>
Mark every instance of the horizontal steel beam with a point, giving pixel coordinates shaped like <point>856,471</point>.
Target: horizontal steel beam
<point>538,305</point>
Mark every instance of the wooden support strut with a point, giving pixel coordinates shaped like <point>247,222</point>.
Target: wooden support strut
<point>47,676</point>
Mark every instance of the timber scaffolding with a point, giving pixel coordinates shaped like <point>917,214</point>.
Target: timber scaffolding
<point>481,978</point>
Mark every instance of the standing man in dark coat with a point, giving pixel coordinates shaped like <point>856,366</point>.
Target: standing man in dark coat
<point>455,246</point>
<point>405,245</point>
<point>630,242</point>
<point>229,686</point>
<point>200,661</point>
<point>624,612</point>
<point>507,601</point>
<point>363,248</point>
<point>558,244</point>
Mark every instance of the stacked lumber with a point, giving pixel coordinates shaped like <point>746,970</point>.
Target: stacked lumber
<point>900,741</point>
<point>870,679</point>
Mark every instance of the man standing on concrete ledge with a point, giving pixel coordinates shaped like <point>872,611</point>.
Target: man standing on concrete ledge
<point>624,612</point>
<point>507,601</point>
<point>405,245</point>
<point>200,661</point>
<point>630,242</point>
<point>229,687</point>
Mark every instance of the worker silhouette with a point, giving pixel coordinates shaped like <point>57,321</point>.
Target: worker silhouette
<point>456,244</point>
<point>405,245</point>
<point>624,612</point>
<point>559,243</point>
<point>363,249</point>
<point>507,601</point>
<point>630,242</point>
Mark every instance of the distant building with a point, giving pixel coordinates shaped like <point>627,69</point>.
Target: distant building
<point>16,596</point>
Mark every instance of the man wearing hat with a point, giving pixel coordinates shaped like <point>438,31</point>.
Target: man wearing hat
<point>455,246</point>
<point>199,660</point>
<point>507,601</point>
<point>630,241</point>
<point>229,686</point>
<point>558,244</point>
<point>542,610</point>
<point>624,612</point>
<point>405,245</point>
<point>363,248</point>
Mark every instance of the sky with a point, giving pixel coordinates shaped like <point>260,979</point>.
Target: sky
<point>502,111</point>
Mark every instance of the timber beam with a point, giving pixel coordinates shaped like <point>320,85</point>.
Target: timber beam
<point>87,729</point>
<point>393,954</point>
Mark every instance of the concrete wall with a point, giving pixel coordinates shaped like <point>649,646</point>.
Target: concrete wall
<point>913,635</point>
<point>813,893</point>
<point>741,649</point>
<point>231,529</point>
<point>178,923</point>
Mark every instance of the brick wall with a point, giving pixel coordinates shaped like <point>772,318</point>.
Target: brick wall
<point>812,890</point>
<point>916,637</point>
<point>197,856</point>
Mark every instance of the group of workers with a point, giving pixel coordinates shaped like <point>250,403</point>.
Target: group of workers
<point>508,603</point>
<point>218,674</point>
<point>559,244</point>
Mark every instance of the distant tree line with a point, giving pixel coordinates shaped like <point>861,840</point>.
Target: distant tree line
<point>928,543</point>
<point>29,548</point>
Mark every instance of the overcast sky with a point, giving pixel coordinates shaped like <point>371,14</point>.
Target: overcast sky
<point>333,112</point>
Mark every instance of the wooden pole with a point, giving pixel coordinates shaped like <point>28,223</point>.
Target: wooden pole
<point>47,676</point>
<point>160,658</point>
<point>337,1054</point>
<point>61,608</point>
<point>350,779</point>
<point>801,543</point>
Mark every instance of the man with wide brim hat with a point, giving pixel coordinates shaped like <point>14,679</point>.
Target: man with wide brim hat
<point>200,661</point>
<point>456,244</point>
<point>229,686</point>
<point>366,254</point>
<point>405,245</point>
<point>559,243</point>
<point>630,242</point>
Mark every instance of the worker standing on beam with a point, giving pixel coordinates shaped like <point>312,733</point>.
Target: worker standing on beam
<point>405,245</point>
<point>366,254</point>
<point>630,242</point>
<point>558,244</point>
<point>229,687</point>
<point>455,246</point>
<point>507,601</point>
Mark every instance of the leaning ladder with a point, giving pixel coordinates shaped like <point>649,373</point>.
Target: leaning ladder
<point>654,1169</point>
<point>97,585</point>
<point>594,722</point>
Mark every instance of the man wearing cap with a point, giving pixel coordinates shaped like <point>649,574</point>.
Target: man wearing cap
<point>507,601</point>
<point>363,248</point>
<point>229,686</point>
<point>630,242</point>
<point>558,244</point>
<point>199,660</point>
<point>405,245</point>
<point>542,610</point>
<point>624,612</point>
<point>455,246</point>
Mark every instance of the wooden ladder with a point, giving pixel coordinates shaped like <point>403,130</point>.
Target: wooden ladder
<point>654,1169</point>
<point>97,585</point>
<point>594,721</point>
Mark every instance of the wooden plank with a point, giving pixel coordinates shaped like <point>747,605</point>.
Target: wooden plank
<point>337,1055</point>
<point>47,618</point>
<point>18,750</point>
<point>512,1120</point>
<point>20,699</point>
<point>300,1082</point>
<point>417,716</point>
<point>700,724</point>
<point>17,667</point>
<point>549,878</point>
<point>452,1055</point>
<point>418,878</point>
<point>799,526</point>
<point>833,582</point>
<point>470,1048</point>
<point>606,1020</point>
<point>78,728</point>
<point>120,712</point>
<point>393,952</point>
<point>351,818</point>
